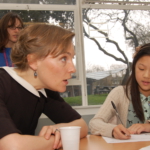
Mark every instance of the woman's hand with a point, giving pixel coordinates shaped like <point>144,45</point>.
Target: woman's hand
<point>120,132</point>
<point>138,128</point>
<point>47,131</point>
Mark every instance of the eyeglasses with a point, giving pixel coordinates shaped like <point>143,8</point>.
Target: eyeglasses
<point>14,28</point>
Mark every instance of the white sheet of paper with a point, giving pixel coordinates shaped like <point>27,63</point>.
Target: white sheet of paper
<point>145,148</point>
<point>134,138</point>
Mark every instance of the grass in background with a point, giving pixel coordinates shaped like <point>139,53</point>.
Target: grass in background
<point>74,101</point>
<point>96,99</point>
<point>92,100</point>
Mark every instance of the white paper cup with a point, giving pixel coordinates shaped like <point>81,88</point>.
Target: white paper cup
<point>70,137</point>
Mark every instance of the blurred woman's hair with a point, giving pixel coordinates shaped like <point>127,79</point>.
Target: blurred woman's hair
<point>40,40</point>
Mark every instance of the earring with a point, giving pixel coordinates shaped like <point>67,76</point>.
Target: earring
<point>35,74</point>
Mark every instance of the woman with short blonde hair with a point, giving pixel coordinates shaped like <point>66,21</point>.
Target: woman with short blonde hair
<point>43,65</point>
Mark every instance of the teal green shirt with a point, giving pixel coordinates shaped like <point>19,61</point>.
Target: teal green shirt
<point>132,118</point>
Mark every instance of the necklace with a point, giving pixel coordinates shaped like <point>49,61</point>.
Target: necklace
<point>6,60</point>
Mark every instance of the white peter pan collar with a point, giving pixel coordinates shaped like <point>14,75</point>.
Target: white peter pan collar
<point>24,83</point>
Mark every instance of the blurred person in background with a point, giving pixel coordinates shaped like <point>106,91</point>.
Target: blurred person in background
<point>10,26</point>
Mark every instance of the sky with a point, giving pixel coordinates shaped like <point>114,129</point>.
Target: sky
<point>96,57</point>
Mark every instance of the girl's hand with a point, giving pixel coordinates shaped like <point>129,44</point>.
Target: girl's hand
<point>120,132</point>
<point>138,128</point>
<point>47,131</point>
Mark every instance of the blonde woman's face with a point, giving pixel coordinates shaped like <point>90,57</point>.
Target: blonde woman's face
<point>53,73</point>
<point>142,73</point>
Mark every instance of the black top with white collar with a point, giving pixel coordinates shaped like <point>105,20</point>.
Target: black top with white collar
<point>21,105</point>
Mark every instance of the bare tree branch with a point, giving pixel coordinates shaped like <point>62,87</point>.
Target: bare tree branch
<point>127,30</point>
<point>103,50</point>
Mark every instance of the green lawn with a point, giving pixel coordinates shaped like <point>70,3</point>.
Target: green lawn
<point>92,100</point>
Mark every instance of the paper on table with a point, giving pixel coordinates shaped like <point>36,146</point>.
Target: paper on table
<point>145,148</point>
<point>134,138</point>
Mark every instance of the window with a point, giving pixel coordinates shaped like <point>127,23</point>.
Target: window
<point>110,38</point>
<point>107,33</point>
<point>60,16</point>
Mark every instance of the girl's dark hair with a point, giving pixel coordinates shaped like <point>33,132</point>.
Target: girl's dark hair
<point>132,87</point>
<point>4,21</point>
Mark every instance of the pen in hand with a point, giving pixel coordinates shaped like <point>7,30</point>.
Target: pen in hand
<point>116,111</point>
<point>118,115</point>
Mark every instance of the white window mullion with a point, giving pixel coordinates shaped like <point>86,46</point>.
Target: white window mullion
<point>8,6</point>
<point>80,51</point>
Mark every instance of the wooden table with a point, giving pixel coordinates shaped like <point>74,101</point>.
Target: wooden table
<point>92,142</point>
